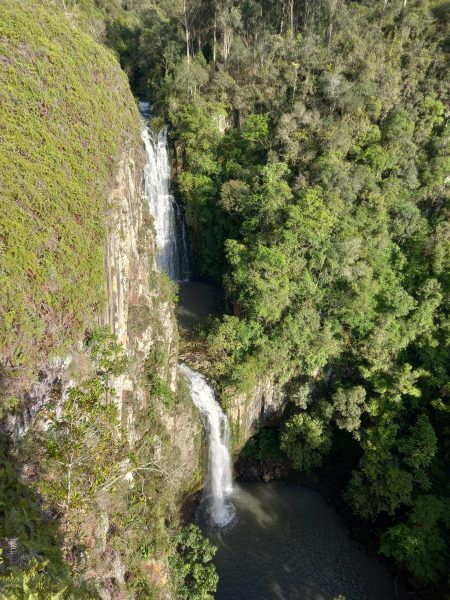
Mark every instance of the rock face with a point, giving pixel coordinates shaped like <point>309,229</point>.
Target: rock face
<point>131,313</point>
<point>139,309</point>
<point>249,412</point>
<point>140,315</point>
<point>84,258</point>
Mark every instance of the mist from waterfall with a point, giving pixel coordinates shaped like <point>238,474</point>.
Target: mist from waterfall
<point>219,480</point>
<point>172,250</point>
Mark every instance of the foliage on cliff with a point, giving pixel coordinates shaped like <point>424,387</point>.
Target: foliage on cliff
<point>96,507</point>
<point>66,112</point>
<point>90,491</point>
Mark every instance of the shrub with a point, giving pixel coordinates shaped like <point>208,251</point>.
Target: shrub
<point>192,565</point>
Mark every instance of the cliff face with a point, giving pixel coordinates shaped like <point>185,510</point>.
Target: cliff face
<point>140,312</point>
<point>98,447</point>
<point>67,116</point>
<point>141,315</point>
<point>132,286</point>
<point>264,405</point>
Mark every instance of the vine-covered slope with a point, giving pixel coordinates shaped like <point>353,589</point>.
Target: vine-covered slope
<point>66,111</point>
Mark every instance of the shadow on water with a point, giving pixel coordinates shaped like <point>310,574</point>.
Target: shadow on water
<point>197,301</point>
<point>288,544</point>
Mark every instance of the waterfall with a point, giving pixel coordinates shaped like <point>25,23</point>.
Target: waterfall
<point>171,238</point>
<point>219,481</point>
<point>172,257</point>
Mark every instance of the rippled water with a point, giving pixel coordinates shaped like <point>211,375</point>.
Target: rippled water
<point>288,544</point>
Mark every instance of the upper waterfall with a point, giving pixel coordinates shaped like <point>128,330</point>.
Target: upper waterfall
<point>171,237</point>
<point>219,481</point>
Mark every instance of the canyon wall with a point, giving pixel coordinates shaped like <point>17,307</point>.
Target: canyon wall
<point>248,412</point>
<point>141,313</point>
<point>99,440</point>
<point>139,310</point>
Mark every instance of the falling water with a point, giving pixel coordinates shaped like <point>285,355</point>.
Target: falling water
<point>172,257</point>
<point>219,482</point>
<point>171,238</point>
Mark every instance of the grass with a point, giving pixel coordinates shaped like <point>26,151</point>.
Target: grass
<point>66,112</point>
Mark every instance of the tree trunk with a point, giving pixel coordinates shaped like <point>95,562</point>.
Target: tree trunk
<point>291,14</point>
<point>186,31</point>
<point>215,37</point>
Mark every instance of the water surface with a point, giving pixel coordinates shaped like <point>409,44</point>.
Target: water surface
<point>289,544</point>
<point>197,301</point>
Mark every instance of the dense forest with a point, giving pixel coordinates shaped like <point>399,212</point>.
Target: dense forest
<point>310,142</point>
<point>312,152</point>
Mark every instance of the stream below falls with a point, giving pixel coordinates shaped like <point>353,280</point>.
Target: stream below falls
<point>287,543</point>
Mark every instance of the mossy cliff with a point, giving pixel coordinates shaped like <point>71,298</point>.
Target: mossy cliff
<point>67,112</point>
<point>99,442</point>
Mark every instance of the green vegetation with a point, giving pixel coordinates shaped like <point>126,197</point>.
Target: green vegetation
<point>66,113</point>
<point>304,439</point>
<point>32,562</point>
<point>89,480</point>
<point>192,565</point>
<point>311,141</point>
<point>157,386</point>
<point>312,151</point>
<point>99,488</point>
<point>33,583</point>
<point>81,450</point>
<point>264,445</point>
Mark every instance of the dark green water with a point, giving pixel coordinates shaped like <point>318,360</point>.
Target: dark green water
<point>197,301</point>
<point>289,544</point>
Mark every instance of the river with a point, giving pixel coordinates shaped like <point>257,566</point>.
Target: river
<point>287,543</point>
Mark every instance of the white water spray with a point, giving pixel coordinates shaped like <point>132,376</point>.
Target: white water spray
<point>171,238</point>
<point>219,481</point>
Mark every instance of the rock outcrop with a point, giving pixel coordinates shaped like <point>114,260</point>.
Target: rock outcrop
<point>138,312</point>
<point>249,412</point>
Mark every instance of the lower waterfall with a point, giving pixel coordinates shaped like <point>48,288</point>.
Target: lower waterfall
<point>219,482</point>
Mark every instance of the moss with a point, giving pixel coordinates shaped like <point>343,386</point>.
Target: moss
<point>66,112</point>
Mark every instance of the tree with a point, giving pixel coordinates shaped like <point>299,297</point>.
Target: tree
<point>421,542</point>
<point>186,11</point>
<point>192,565</point>
<point>228,20</point>
<point>348,404</point>
<point>305,439</point>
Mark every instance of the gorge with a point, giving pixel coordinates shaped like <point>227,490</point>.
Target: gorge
<point>278,541</point>
<point>173,259</point>
<point>224,315</point>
